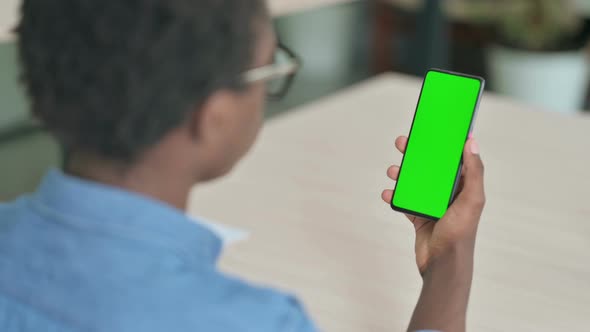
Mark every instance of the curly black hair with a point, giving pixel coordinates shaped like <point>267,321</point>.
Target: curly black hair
<point>112,77</point>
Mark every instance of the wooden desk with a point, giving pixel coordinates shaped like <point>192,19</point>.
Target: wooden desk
<point>310,195</point>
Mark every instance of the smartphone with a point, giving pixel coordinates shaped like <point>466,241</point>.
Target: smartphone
<point>431,167</point>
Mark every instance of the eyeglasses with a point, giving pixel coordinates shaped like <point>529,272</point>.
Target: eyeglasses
<point>279,75</point>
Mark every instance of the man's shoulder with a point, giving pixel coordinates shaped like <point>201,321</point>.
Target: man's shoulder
<point>11,206</point>
<point>159,294</point>
<point>13,211</point>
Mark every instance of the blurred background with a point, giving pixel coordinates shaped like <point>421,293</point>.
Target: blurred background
<point>532,50</point>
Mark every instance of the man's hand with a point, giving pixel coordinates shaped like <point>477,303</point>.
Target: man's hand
<point>458,228</point>
<point>445,249</point>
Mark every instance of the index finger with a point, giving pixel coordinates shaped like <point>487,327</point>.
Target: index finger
<point>400,143</point>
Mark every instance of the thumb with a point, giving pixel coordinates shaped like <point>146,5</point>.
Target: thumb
<point>473,195</point>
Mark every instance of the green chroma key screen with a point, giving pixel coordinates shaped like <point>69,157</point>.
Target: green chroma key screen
<point>433,156</point>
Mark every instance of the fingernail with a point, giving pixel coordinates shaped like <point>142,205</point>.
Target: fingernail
<point>474,147</point>
<point>470,134</point>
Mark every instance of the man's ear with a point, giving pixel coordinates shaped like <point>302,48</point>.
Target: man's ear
<point>214,118</point>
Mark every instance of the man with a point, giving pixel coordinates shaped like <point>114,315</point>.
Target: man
<point>149,98</point>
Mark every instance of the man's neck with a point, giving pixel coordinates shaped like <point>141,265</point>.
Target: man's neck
<point>155,179</point>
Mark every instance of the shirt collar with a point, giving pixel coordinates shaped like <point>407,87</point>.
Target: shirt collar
<point>89,204</point>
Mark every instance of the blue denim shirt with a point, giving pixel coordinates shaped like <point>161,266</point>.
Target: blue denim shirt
<point>80,256</point>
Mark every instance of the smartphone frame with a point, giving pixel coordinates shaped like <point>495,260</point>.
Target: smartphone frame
<point>471,126</point>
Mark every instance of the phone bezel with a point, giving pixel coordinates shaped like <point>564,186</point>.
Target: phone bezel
<point>471,126</point>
